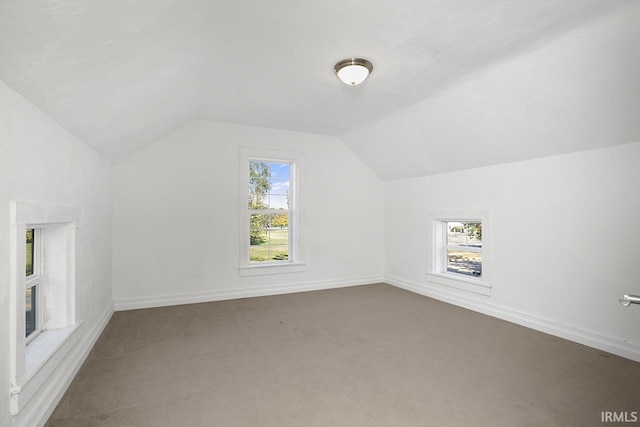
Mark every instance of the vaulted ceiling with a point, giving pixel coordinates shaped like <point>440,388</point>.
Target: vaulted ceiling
<point>120,74</point>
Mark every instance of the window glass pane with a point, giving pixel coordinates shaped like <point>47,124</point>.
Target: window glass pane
<point>279,186</point>
<point>279,171</point>
<point>269,237</point>
<point>30,251</point>
<point>463,262</point>
<point>268,178</point>
<point>474,234</point>
<point>278,202</point>
<point>30,306</point>
<point>259,237</point>
<point>464,233</point>
<point>456,233</point>
<point>259,184</point>
<point>258,201</point>
<point>279,244</point>
<point>279,253</point>
<point>259,252</point>
<point>280,221</point>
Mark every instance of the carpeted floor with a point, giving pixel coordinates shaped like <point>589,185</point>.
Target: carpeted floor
<point>362,356</point>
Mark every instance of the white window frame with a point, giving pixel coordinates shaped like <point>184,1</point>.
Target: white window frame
<point>295,261</point>
<point>437,258</point>
<point>34,360</point>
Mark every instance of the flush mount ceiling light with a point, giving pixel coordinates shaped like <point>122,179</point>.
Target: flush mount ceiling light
<point>353,71</point>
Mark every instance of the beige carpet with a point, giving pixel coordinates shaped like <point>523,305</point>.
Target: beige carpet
<point>363,356</point>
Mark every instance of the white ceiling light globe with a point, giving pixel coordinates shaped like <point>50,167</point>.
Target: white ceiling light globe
<point>353,74</point>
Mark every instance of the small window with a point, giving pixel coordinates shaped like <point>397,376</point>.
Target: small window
<point>33,281</point>
<point>42,248</point>
<point>459,255</point>
<point>463,248</point>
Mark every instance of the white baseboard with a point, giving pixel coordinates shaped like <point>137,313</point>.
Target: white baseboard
<point>225,294</point>
<point>40,408</point>
<point>571,333</point>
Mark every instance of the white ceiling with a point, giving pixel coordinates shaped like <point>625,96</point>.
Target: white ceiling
<point>120,74</point>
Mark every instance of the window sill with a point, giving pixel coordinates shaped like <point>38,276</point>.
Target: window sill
<point>43,347</point>
<point>456,281</point>
<point>42,357</point>
<point>263,269</point>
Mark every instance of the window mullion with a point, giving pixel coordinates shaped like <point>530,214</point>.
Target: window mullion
<point>464,248</point>
<point>32,281</point>
<point>268,211</point>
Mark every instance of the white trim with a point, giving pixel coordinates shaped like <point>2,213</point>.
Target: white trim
<point>31,281</point>
<point>457,282</point>
<point>275,268</point>
<point>226,294</point>
<point>50,392</point>
<point>42,348</point>
<point>39,215</point>
<point>548,326</point>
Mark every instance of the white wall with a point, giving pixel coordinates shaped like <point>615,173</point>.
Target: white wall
<point>177,215</point>
<point>41,163</point>
<point>565,241</point>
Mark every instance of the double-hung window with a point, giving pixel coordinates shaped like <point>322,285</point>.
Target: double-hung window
<point>460,256</point>
<point>33,284</point>
<point>271,213</point>
<point>462,248</point>
<point>269,205</point>
<point>42,294</point>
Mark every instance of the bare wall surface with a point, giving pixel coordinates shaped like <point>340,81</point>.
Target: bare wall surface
<point>565,233</point>
<point>41,163</point>
<point>177,215</point>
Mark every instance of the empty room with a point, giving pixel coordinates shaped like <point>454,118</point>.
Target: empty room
<point>336,213</point>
